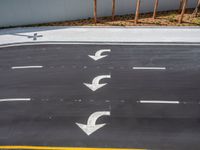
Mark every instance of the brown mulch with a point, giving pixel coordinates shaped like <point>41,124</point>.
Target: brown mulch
<point>167,18</point>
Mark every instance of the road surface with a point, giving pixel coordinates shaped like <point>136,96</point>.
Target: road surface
<point>140,96</point>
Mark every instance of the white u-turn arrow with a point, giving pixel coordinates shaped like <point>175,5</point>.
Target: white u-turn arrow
<point>91,126</point>
<point>98,55</point>
<point>95,82</point>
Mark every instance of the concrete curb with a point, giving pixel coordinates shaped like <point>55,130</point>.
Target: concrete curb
<point>100,35</point>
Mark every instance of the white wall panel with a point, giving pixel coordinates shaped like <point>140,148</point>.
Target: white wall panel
<point>23,12</point>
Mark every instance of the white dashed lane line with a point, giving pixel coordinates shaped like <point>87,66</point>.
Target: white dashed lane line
<point>26,67</point>
<point>15,99</point>
<point>158,102</point>
<point>106,101</point>
<point>149,68</point>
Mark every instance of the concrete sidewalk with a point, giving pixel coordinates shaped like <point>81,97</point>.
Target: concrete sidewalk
<point>100,34</point>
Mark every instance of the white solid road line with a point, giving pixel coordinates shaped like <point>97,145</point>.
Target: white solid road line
<point>158,102</point>
<point>14,99</point>
<point>149,68</point>
<point>26,67</point>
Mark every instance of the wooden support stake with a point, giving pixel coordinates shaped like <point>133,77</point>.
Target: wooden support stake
<point>196,9</point>
<point>137,11</point>
<point>113,9</point>
<point>155,9</point>
<point>180,6</point>
<point>95,11</point>
<point>183,11</point>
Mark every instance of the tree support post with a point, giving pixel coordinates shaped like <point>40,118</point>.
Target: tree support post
<point>137,11</point>
<point>95,11</point>
<point>183,11</point>
<point>196,9</point>
<point>155,9</point>
<point>180,6</point>
<point>113,9</point>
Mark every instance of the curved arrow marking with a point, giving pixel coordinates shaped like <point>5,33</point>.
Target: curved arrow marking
<point>98,55</point>
<point>91,126</point>
<point>95,83</point>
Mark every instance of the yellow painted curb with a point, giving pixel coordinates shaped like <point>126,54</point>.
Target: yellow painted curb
<point>61,148</point>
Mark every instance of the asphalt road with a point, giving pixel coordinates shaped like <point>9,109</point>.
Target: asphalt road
<point>152,95</point>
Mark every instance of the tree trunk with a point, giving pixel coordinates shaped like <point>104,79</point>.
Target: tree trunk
<point>183,11</point>
<point>95,11</point>
<point>137,11</point>
<point>196,9</point>
<point>155,9</point>
<point>113,9</point>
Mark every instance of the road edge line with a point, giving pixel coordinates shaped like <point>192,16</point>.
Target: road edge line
<point>61,148</point>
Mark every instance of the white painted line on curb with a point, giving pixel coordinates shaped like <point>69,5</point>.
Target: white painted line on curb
<point>26,67</point>
<point>14,99</point>
<point>149,68</point>
<point>158,102</point>
<point>98,43</point>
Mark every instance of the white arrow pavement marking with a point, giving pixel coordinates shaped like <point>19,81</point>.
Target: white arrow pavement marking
<point>91,125</point>
<point>98,55</point>
<point>95,83</point>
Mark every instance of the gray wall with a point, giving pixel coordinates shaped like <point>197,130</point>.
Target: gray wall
<point>23,12</point>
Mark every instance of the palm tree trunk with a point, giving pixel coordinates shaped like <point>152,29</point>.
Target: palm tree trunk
<point>155,9</point>
<point>137,11</point>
